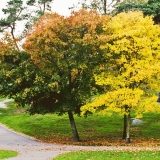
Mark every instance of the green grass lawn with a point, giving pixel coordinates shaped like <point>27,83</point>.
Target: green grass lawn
<point>7,154</point>
<point>93,130</point>
<point>110,155</point>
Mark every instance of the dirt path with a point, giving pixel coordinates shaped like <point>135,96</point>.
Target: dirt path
<point>31,149</point>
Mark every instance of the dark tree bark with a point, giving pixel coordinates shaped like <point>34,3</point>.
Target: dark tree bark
<point>14,39</point>
<point>104,7</point>
<point>124,127</point>
<point>73,126</point>
<point>128,129</point>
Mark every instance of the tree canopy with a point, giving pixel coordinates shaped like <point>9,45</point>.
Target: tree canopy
<point>132,74</point>
<point>66,50</point>
<point>60,58</point>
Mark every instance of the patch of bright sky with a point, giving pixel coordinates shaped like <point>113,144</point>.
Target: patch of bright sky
<point>62,6</point>
<point>59,6</point>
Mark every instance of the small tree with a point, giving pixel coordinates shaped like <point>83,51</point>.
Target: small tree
<point>133,68</point>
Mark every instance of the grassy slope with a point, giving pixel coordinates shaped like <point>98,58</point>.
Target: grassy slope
<point>94,130</point>
<point>110,155</point>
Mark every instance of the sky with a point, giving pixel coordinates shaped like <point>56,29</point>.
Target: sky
<point>59,6</point>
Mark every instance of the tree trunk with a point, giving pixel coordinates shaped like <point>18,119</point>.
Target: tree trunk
<point>104,7</point>
<point>44,7</point>
<point>124,127</point>
<point>73,126</point>
<point>13,37</point>
<point>128,129</point>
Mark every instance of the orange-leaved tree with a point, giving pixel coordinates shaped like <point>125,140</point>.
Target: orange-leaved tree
<point>132,74</point>
<point>66,50</point>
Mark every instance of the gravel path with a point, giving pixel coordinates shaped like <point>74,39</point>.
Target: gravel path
<point>28,148</point>
<point>31,149</point>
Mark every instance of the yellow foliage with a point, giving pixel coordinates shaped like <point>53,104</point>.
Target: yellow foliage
<point>18,80</point>
<point>38,79</point>
<point>114,101</point>
<point>26,91</point>
<point>133,67</point>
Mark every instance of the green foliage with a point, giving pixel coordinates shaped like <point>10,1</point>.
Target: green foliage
<point>65,51</point>
<point>14,12</point>
<point>37,8</point>
<point>17,74</point>
<point>152,7</point>
<point>43,5</point>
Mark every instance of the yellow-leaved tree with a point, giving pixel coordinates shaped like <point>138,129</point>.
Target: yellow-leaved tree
<point>132,74</point>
